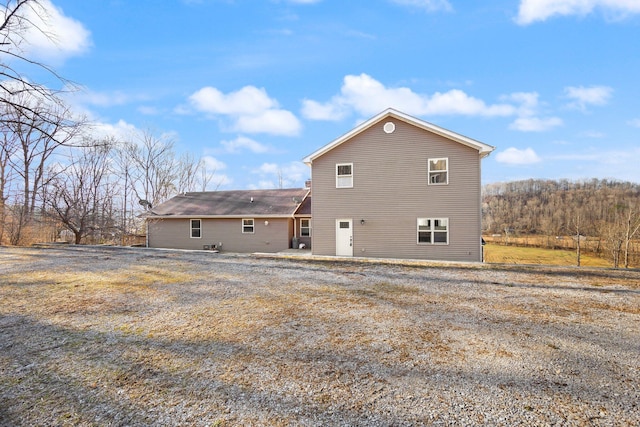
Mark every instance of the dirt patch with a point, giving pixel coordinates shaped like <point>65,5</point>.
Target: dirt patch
<point>115,336</point>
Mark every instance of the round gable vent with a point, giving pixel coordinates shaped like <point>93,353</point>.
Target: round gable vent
<point>389,127</point>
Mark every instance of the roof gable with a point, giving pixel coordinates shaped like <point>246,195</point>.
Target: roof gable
<point>483,149</point>
<point>232,204</point>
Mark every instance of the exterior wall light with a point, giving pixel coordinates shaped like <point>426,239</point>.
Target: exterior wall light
<point>266,223</point>
<point>362,222</point>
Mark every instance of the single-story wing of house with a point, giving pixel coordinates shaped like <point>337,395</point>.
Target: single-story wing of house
<point>393,187</point>
<point>233,221</point>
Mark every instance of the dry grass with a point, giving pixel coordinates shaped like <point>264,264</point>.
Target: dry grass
<point>132,337</point>
<point>496,253</point>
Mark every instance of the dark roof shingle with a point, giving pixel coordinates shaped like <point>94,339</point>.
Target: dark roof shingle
<point>282,202</point>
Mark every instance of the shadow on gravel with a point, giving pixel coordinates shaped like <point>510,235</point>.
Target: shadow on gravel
<point>474,363</point>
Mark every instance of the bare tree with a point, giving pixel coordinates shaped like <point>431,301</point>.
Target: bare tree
<point>37,129</point>
<point>81,193</point>
<point>150,172</point>
<point>154,169</point>
<point>7,150</point>
<point>33,119</point>
<point>548,207</point>
<point>16,23</point>
<point>206,178</point>
<point>124,167</point>
<point>188,172</point>
<point>193,175</point>
<point>632,228</point>
<point>577,224</point>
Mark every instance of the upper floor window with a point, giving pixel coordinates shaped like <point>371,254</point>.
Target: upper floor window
<point>247,226</point>
<point>434,231</point>
<point>344,175</point>
<point>196,228</point>
<point>438,171</point>
<point>305,227</point>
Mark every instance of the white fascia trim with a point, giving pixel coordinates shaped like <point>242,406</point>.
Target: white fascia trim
<point>246,216</point>
<point>483,149</point>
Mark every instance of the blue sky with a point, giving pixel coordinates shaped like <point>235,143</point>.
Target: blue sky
<point>255,86</point>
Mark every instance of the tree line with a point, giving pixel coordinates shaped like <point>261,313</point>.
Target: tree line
<point>600,215</point>
<point>86,189</point>
<point>58,176</point>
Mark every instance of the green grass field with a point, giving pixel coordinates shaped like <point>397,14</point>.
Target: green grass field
<point>495,253</point>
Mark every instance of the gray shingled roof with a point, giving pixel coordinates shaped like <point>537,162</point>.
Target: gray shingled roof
<point>240,203</point>
<point>305,207</point>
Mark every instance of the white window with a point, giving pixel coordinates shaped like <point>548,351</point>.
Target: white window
<point>344,175</point>
<point>247,226</point>
<point>305,227</point>
<point>433,231</point>
<point>196,228</point>
<point>438,171</point>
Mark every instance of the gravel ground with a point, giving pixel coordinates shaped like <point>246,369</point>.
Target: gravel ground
<point>136,337</point>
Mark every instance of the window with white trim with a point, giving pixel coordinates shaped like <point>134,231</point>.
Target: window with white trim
<point>344,175</point>
<point>433,231</point>
<point>196,228</point>
<point>248,226</point>
<point>438,171</point>
<point>305,227</point>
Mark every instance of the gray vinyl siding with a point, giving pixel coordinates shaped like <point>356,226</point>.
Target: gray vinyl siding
<point>304,239</point>
<point>175,233</point>
<point>390,192</point>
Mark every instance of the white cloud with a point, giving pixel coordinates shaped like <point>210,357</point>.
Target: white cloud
<point>583,96</point>
<point>289,175</point>
<point>528,101</point>
<point>535,124</point>
<point>367,96</point>
<point>514,156</point>
<point>52,36</point>
<point>528,113</point>
<point>250,109</point>
<point>328,111</point>
<point>248,100</point>
<point>274,122</point>
<point>457,102</point>
<point>121,131</point>
<point>540,10</point>
<point>213,167</point>
<point>101,99</point>
<point>268,168</point>
<point>242,142</point>
<point>428,5</point>
<point>634,123</point>
<point>213,164</point>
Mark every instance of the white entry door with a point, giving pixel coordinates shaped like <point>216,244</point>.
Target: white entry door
<point>344,237</point>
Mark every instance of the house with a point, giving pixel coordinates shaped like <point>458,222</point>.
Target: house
<point>393,187</point>
<point>398,187</point>
<point>233,221</point>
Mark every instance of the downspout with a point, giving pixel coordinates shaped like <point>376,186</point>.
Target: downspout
<point>295,226</point>
<point>480,213</point>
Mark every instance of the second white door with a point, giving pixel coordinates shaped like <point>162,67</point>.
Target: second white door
<point>344,237</point>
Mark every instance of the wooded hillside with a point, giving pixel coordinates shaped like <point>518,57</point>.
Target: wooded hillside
<point>605,212</point>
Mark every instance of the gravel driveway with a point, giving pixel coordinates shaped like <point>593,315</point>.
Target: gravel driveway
<point>135,337</point>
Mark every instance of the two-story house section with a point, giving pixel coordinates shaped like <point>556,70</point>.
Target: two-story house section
<point>398,187</point>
